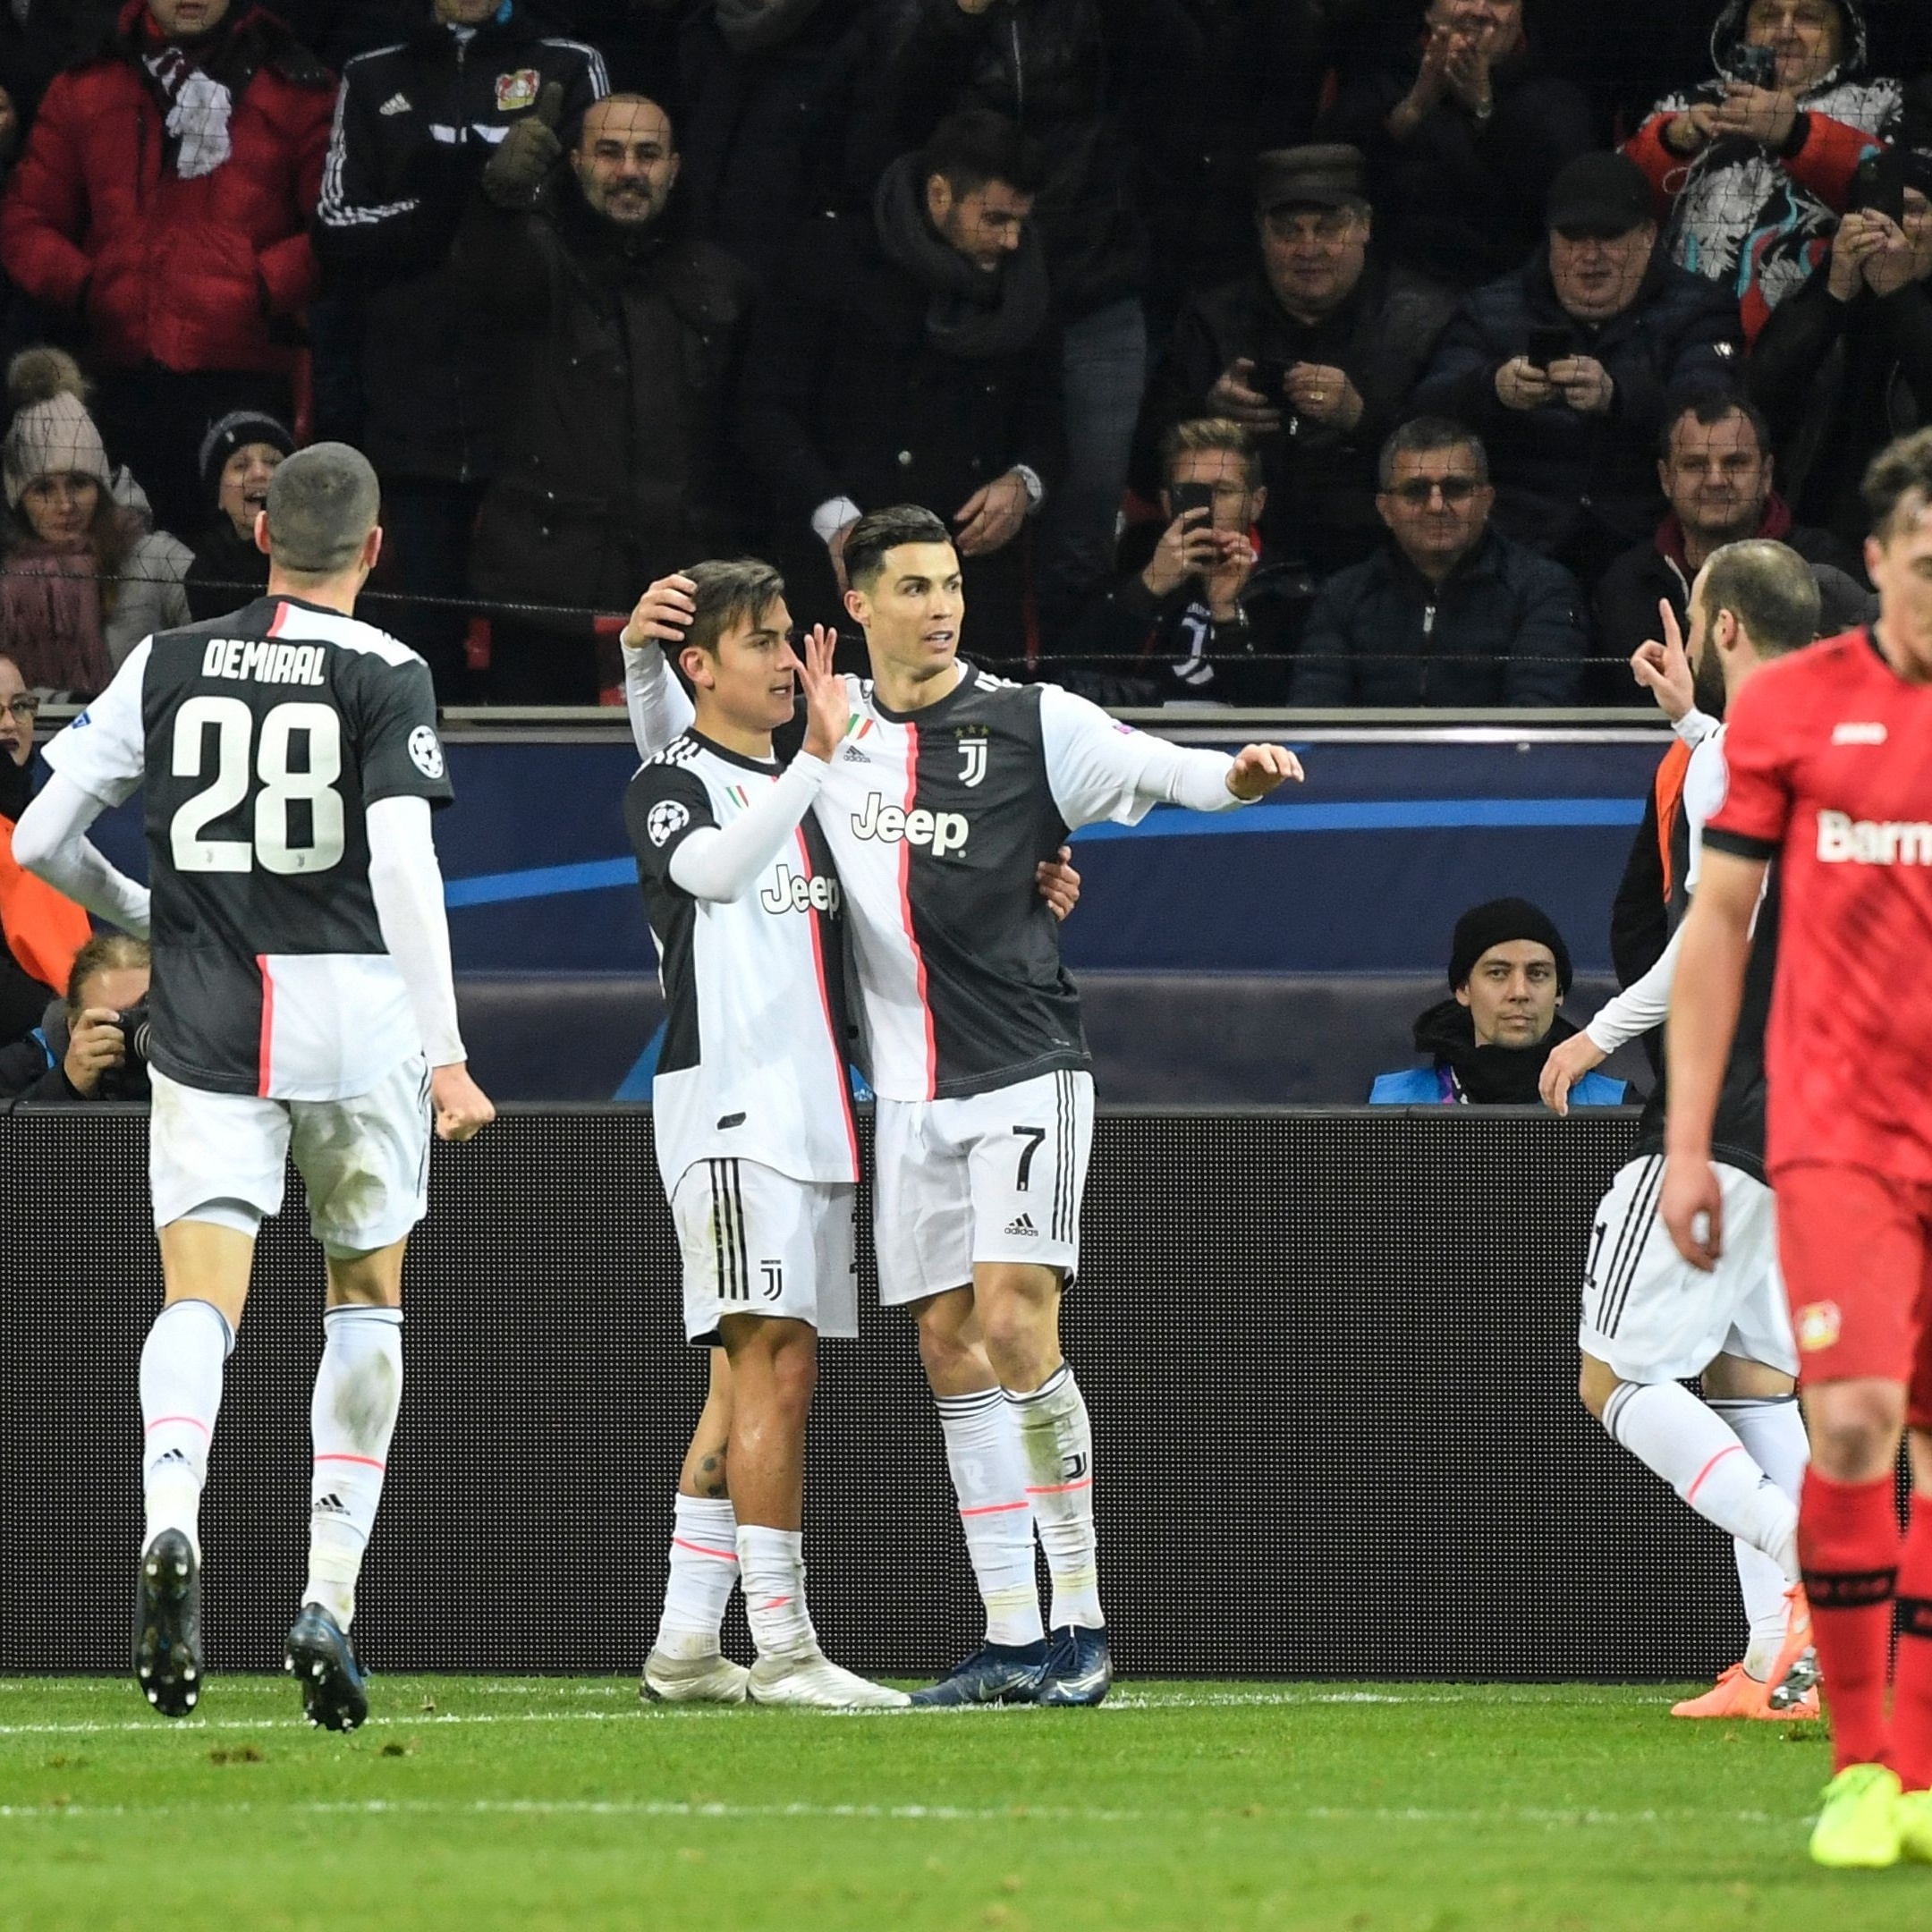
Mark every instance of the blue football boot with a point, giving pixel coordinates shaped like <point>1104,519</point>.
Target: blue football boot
<point>335,1692</point>
<point>168,1625</point>
<point>995,1673</point>
<point>1079,1668</point>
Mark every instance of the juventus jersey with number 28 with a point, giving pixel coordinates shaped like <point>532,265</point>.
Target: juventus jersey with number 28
<point>261,737</point>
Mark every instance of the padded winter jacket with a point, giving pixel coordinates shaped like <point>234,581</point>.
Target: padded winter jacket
<point>201,275</point>
<point>1755,221</point>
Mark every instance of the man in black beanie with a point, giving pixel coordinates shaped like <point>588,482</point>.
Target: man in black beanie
<point>1509,971</point>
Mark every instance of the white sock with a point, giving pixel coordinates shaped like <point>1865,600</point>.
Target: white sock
<point>982,1446</point>
<point>703,1572</point>
<point>1058,1447</point>
<point>357,1391</point>
<point>180,1390</point>
<point>772,1564</point>
<point>1772,1428</point>
<point>1699,1455</point>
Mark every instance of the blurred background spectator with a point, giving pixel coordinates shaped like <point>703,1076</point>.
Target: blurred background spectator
<point>1716,468</point>
<point>629,329</point>
<point>42,931</point>
<point>1465,135</point>
<point>1448,612</point>
<point>1097,84</point>
<point>85,577</point>
<point>1200,613</point>
<point>1565,365</point>
<point>1757,163</point>
<point>1314,352</point>
<point>910,356</point>
<point>239,455</point>
<point>81,1050</point>
<point>414,126</point>
<point>1845,365</point>
<point>1509,972</point>
<point>162,202</point>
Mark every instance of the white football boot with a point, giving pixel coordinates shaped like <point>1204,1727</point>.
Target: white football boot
<point>703,1680</point>
<point>810,1680</point>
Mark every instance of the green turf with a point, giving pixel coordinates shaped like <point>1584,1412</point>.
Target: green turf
<point>562,1803</point>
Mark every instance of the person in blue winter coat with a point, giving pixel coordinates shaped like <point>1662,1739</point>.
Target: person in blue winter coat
<point>1509,971</point>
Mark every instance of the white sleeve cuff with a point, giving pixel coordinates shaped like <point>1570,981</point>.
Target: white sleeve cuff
<point>832,516</point>
<point>1695,726</point>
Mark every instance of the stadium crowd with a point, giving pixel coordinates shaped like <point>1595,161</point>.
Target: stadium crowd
<point>1146,298</point>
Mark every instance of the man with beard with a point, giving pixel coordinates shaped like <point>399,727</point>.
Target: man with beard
<point>1652,1321</point>
<point>615,471</point>
<point>1509,971</point>
<point>1714,465</point>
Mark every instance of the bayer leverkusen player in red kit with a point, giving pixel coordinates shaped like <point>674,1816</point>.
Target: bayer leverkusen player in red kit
<point>1830,755</point>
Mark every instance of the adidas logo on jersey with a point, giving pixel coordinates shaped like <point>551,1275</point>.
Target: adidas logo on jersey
<point>1022,1226</point>
<point>396,103</point>
<point>852,755</point>
<point>944,832</point>
<point>1843,840</point>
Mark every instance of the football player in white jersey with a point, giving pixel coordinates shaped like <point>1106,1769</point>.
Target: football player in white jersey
<point>751,1102</point>
<point>1651,1320</point>
<point>949,790</point>
<point>302,1004</point>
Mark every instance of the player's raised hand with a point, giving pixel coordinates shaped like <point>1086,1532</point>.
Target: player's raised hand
<point>1259,769</point>
<point>1664,669</point>
<point>1691,1207</point>
<point>1059,883</point>
<point>827,700</point>
<point>1568,1062</point>
<point>663,613</point>
<point>463,1109</point>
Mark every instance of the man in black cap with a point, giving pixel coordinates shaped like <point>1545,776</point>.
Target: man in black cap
<point>1509,971</point>
<point>1564,368</point>
<point>1312,353</point>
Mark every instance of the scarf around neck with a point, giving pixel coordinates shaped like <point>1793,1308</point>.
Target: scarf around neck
<point>198,106</point>
<point>971,314</point>
<point>1485,1076</point>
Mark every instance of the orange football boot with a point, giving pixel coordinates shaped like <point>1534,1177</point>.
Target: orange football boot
<point>1738,1694</point>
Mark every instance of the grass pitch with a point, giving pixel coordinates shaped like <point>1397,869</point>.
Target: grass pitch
<point>563,1802</point>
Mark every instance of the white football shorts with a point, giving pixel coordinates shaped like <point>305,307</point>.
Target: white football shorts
<point>364,1160</point>
<point>1652,1316</point>
<point>991,1177</point>
<point>756,1241</point>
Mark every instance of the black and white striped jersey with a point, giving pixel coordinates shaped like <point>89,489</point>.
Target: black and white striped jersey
<point>938,819</point>
<point>754,1060</point>
<point>260,739</point>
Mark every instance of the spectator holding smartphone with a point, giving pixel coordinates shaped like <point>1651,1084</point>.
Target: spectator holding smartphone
<point>1200,611</point>
<point>1313,354</point>
<point>1756,164</point>
<point>1846,366</point>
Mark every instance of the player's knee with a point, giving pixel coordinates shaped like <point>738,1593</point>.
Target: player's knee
<point>946,1344</point>
<point>795,1372</point>
<point>1022,1342</point>
<point>1855,1431</point>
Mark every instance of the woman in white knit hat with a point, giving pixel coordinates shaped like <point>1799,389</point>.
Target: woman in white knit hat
<point>84,579</point>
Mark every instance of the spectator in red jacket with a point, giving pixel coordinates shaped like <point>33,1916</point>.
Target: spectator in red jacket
<point>164,198</point>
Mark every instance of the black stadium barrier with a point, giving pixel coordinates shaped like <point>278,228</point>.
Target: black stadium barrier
<point>1330,1359</point>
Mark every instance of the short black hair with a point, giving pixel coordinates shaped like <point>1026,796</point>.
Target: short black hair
<point>886,529</point>
<point>1768,587</point>
<point>971,148</point>
<point>1423,436</point>
<point>1898,486</point>
<point>323,503</point>
<point>1709,406</point>
<point>728,591</point>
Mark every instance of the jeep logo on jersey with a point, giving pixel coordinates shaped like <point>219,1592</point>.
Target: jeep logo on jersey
<point>667,816</point>
<point>944,831</point>
<point>424,753</point>
<point>972,757</point>
<point>792,892</point>
<point>1843,840</point>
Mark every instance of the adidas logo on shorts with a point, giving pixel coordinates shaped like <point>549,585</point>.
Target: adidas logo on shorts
<point>1023,1226</point>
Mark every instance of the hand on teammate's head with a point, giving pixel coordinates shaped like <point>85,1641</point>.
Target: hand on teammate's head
<point>1259,769</point>
<point>663,613</point>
